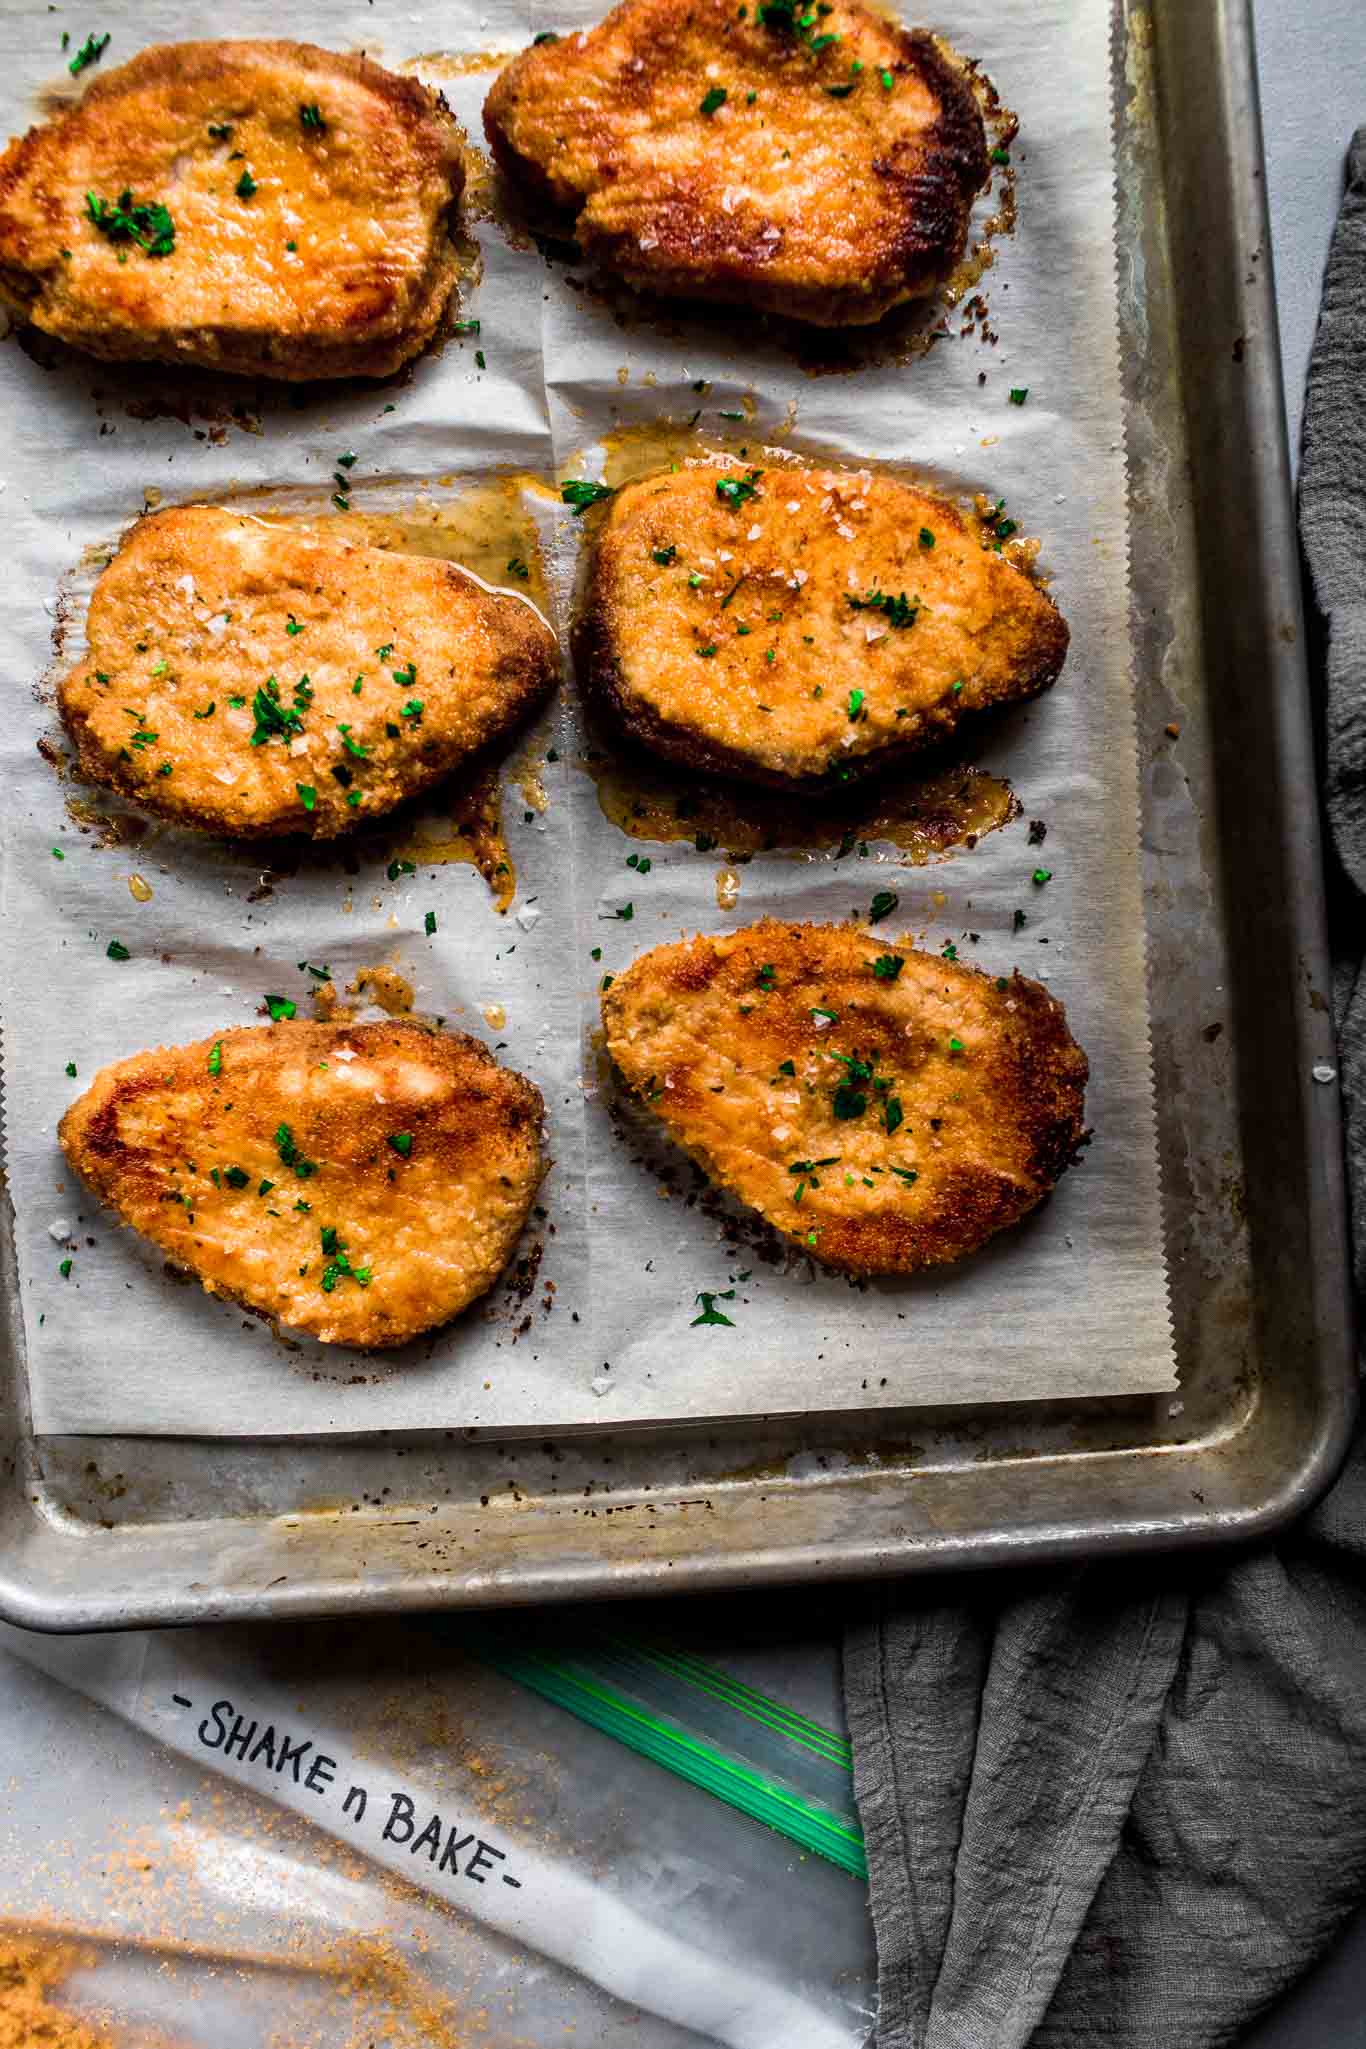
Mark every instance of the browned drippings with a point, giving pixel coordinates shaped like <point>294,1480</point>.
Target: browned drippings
<point>383,987</point>
<point>922,814</point>
<point>473,832</point>
<point>642,450</point>
<point>109,828</point>
<point>484,528</point>
<point>456,64</point>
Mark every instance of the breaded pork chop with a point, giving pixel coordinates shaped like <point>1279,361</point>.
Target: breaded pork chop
<point>363,1183</point>
<point>884,1109</point>
<point>267,208</point>
<point>250,679</point>
<point>816,164</point>
<point>799,628</point>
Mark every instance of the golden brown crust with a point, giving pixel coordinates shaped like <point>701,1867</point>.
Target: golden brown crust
<point>201,606</point>
<point>753,670</point>
<point>339,263</point>
<point>924,1112</point>
<point>813,190</point>
<point>239,1163</point>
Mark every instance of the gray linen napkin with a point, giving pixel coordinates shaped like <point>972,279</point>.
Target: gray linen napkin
<point>1128,1806</point>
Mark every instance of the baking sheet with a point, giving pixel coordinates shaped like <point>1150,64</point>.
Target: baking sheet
<point>1072,1303</point>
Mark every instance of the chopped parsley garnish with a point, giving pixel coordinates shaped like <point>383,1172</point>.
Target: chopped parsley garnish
<point>710,1312</point>
<point>397,868</point>
<point>64,1269</point>
<point>479,362</point>
<point>713,99</point>
<point>245,186</point>
<point>997,525</point>
<point>216,1057</point>
<point>145,222</point>
<point>839,92</point>
<point>787,1067</point>
<point>1040,876</point>
<point>547,35</point>
<point>907,1174</point>
<point>236,1177</point>
<point>1019,394</point>
<point>71,1069</point>
<point>887,80</point>
<point>412,709</point>
<point>948,950</point>
<point>90,52</point>
<point>281,1008</point>
<point>338,1264</point>
<point>856,698</point>
<point>640,862</point>
<point>767,977</point>
<point>275,720</point>
<point>733,589</point>
<point>891,1113</point>
<point>790,18</point>
<point>999,155</point>
<point>116,950</point>
<point>849,1101</point>
<point>290,1156</point>
<point>625,912</point>
<point>733,491</point>
<point>221,131</point>
<point>402,1143</point>
<point>466,327</point>
<point>306,967</point>
<point>292,626</point>
<point>706,652</point>
<point>311,120</point>
<point>352,745</point>
<point>57,854</point>
<point>888,966</point>
<point>516,567</point>
<point>405,678</point>
<point>429,923</point>
<point>899,611</point>
<point>207,712</point>
<point>579,493</point>
<point>926,537</point>
<point>308,796</point>
<point>955,1045</point>
<point>830,1016</point>
<point>666,557</point>
<point>882,906</point>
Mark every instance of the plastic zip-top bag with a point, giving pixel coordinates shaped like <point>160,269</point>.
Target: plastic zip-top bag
<point>698,1720</point>
<point>267,1839</point>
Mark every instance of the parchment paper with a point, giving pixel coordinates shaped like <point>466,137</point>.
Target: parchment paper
<point>1071,1303</point>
